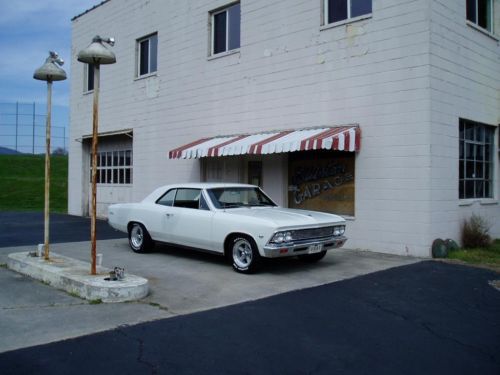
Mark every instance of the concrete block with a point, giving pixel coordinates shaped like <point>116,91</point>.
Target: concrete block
<point>74,276</point>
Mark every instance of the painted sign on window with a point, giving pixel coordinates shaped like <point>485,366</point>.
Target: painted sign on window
<point>322,181</point>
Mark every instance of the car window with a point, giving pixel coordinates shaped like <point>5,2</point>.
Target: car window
<point>232,197</point>
<point>187,198</point>
<point>203,203</point>
<point>167,199</point>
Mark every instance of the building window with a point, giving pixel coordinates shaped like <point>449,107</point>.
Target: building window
<point>226,29</point>
<point>89,77</point>
<point>147,55</point>
<point>114,167</point>
<point>322,181</point>
<point>475,160</point>
<point>480,12</point>
<point>341,10</point>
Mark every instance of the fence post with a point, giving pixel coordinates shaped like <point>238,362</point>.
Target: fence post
<point>17,116</point>
<point>33,144</point>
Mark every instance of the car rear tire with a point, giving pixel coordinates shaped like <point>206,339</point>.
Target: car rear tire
<point>244,254</point>
<point>312,258</point>
<point>139,239</point>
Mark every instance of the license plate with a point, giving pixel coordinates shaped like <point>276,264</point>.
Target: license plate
<point>315,248</point>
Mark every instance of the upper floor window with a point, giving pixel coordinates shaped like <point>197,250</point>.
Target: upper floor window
<point>147,55</point>
<point>475,160</point>
<point>340,10</point>
<point>89,77</point>
<point>225,28</point>
<point>480,12</point>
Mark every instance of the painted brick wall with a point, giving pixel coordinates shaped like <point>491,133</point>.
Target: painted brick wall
<point>465,83</point>
<point>289,73</point>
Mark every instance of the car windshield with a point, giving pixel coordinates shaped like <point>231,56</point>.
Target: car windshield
<point>232,197</point>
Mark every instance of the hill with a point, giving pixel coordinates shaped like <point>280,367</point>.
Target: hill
<point>7,151</point>
<point>22,183</point>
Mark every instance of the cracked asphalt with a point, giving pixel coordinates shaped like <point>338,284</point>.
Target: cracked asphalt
<point>424,318</point>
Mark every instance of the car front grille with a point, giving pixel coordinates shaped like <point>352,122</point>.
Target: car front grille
<point>306,234</point>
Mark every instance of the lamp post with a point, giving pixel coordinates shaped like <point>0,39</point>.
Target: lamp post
<point>95,54</point>
<point>49,72</point>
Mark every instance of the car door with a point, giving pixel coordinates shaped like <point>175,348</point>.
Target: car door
<point>159,216</point>
<point>190,220</point>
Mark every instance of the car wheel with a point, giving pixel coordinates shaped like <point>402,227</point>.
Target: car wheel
<point>139,239</point>
<point>311,258</point>
<point>245,255</point>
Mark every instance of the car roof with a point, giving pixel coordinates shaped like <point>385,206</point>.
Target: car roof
<point>192,185</point>
<point>206,185</point>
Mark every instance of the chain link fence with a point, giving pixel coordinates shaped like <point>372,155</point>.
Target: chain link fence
<point>22,129</point>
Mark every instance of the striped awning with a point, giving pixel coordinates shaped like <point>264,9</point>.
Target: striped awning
<point>341,138</point>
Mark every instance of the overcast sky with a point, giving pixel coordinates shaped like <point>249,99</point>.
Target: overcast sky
<point>28,30</point>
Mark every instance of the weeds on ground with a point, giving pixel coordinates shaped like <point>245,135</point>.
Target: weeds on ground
<point>488,255</point>
<point>475,232</point>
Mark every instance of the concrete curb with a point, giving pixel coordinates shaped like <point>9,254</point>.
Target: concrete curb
<point>73,276</point>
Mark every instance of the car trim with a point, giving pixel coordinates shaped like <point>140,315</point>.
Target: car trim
<point>302,247</point>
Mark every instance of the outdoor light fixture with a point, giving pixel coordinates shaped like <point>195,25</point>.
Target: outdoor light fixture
<point>96,54</point>
<point>49,72</point>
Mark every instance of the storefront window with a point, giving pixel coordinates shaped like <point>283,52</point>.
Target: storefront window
<point>322,181</point>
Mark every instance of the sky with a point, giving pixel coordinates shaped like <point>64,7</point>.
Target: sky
<point>28,30</point>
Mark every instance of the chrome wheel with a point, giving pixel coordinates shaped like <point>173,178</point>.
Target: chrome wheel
<point>139,239</point>
<point>137,236</point>
<point>242,253</point>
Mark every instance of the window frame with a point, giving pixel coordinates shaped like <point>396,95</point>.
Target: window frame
<point>475,22</point>
<point>87,69</point>
<point>212,14</point>
<point>324,17</point>
<point>108,173</point>
<point>487,180</point>
<point>138,65</point>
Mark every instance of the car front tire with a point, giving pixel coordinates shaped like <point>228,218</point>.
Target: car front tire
<point>139,239</point>
<point>244,255</point>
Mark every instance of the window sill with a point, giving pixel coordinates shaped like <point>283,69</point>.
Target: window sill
<point>88,92</point>
<point>483,31</point>
<point>223,54</point>
<point>481,201</point>
<point>144,76</point>
<point>345,22</point>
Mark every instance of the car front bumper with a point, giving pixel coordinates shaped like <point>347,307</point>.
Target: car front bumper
<point>303,247</point>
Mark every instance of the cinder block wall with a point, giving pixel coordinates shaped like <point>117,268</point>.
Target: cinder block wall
<point>289,73</point>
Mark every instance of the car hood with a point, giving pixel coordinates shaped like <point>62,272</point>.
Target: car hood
<point>287,217</point>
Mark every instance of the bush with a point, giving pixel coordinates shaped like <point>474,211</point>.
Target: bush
<point>474,232</point>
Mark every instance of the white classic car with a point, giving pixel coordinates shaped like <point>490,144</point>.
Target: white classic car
<point>236,220</point>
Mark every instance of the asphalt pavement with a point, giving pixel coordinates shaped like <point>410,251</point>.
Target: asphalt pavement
<point>27,228</point>
<point>365,313</point>
<point>425,318</point>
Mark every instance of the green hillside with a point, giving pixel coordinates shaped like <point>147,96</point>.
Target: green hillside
<point>22,183</point>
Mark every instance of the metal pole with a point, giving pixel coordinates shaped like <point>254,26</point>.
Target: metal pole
<point>17,120</point>
<point>47,171</point>
<point>33,143</point>
<point>94,170</point>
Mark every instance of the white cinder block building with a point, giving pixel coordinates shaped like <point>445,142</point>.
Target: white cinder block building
<point>385,111</point>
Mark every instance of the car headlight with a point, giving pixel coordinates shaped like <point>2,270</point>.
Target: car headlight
<point>339,230</point>
<point>280,237</point>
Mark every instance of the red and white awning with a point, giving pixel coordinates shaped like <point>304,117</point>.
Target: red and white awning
<point>341,138</point>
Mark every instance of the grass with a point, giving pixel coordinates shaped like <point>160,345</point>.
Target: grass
<point>22,183</point>
<point>485,256</point>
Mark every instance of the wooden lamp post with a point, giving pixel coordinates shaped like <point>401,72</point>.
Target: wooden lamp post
<point>49,72</point>
<point>95,54</point>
